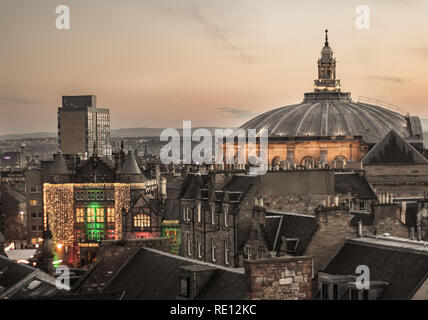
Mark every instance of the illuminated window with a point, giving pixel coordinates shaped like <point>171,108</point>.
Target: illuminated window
<point>90,214</point>
<point>80,215</point>
<point>100,215</point>
<point>142,221</point>
<point>33,202</point>
<point>110,215</point>
<point>172,234</point>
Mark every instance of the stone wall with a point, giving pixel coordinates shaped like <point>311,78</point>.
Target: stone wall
<point>284,278</point>
<point>333,229</point>
<point>399,180</point>
<point>387,220</point>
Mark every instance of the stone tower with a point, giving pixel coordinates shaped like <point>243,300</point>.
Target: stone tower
<point>327,70</point>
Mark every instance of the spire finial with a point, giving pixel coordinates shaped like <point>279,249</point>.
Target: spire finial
<point>326,37</point>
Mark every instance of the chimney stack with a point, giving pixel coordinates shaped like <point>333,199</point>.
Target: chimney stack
<point>360,229</point>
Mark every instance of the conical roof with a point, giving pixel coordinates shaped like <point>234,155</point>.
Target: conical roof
<point>59,166</point>
<point>130,166</point>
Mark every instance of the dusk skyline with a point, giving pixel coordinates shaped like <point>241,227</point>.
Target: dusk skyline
<point>155,64</point>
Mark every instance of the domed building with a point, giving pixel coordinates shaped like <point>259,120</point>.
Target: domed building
<point>328,126</point>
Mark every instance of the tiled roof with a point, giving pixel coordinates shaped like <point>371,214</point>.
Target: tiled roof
<point>140,278</point>
<point>354,184</point>
<point>402,263</point>
<point>280,225</point>
<point>393,149</point>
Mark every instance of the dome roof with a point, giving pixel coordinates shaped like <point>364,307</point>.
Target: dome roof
<point>328,112</point>
<point>330,117</point>
<point>326,52</point>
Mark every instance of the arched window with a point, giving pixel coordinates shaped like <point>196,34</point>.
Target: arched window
<point>308,160</point>
<point>339,162</point>
<point>142,221</point>
<point>276,160</point>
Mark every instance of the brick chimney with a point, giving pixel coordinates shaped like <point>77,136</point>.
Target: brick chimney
<point>283,278</point>
<point>333,229</point>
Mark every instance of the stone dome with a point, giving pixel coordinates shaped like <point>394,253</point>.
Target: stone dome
<point>328,112</point>
<point>330,117</point>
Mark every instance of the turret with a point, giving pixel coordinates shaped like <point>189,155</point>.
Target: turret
<point>130,172</point>
<point>326,81</point>
<point>59,172</point>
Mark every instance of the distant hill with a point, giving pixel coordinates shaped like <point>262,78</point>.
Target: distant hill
<point>128,132</point>
<point>149,132</point>
<point>36,135</point>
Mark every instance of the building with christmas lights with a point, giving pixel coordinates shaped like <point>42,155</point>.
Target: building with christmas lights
<point>85,202</point>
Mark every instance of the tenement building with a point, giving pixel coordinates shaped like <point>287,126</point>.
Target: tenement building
<point>87,201</point>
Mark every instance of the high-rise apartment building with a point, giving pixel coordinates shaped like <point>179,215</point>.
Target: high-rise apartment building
<point>82,127</point>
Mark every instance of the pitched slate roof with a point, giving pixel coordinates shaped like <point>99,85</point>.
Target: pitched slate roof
<point>365,218</point>
<point>240,183</point>
<point>393,149</point>
<point>281,225</point>
<point>191,183</point>
<point>154,275</point>
<point>171,209</point>
<point>59,166</point>
<point>403,264</point>
<point>19,281</point>
<point>354,184</point>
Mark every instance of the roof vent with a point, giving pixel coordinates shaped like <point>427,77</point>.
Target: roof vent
<point>34,284</point>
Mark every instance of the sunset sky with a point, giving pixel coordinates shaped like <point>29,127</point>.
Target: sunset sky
<point>155,63</point>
